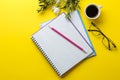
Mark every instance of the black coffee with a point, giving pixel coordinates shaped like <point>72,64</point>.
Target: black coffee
<point>92,11</point>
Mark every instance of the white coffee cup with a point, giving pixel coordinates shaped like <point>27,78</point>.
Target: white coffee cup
<point>92,11</point>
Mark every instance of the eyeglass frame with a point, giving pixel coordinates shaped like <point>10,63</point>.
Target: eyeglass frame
<point>104,36</point>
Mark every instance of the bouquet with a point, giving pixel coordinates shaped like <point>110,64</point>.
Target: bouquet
<point>58,5</point>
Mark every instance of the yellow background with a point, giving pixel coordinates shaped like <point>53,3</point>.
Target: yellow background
<point>20,59</point>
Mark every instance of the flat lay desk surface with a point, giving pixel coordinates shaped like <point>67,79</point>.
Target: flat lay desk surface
<point>20,59</point>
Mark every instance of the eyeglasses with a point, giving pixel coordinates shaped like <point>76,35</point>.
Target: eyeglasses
<point>107,42</point>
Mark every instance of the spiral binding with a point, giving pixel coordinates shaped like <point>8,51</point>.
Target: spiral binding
<point>45,55</point>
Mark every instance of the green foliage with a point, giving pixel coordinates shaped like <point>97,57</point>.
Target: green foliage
<point>70,6</point>
<point>67,5</point>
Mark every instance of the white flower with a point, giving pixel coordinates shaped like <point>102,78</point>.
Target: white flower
<point>56,9</point>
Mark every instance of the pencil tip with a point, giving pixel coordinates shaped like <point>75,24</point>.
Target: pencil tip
<point>84,51</point>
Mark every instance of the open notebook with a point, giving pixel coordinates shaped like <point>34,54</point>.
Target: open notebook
<point>78,23</point>
<point>60,53</point>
